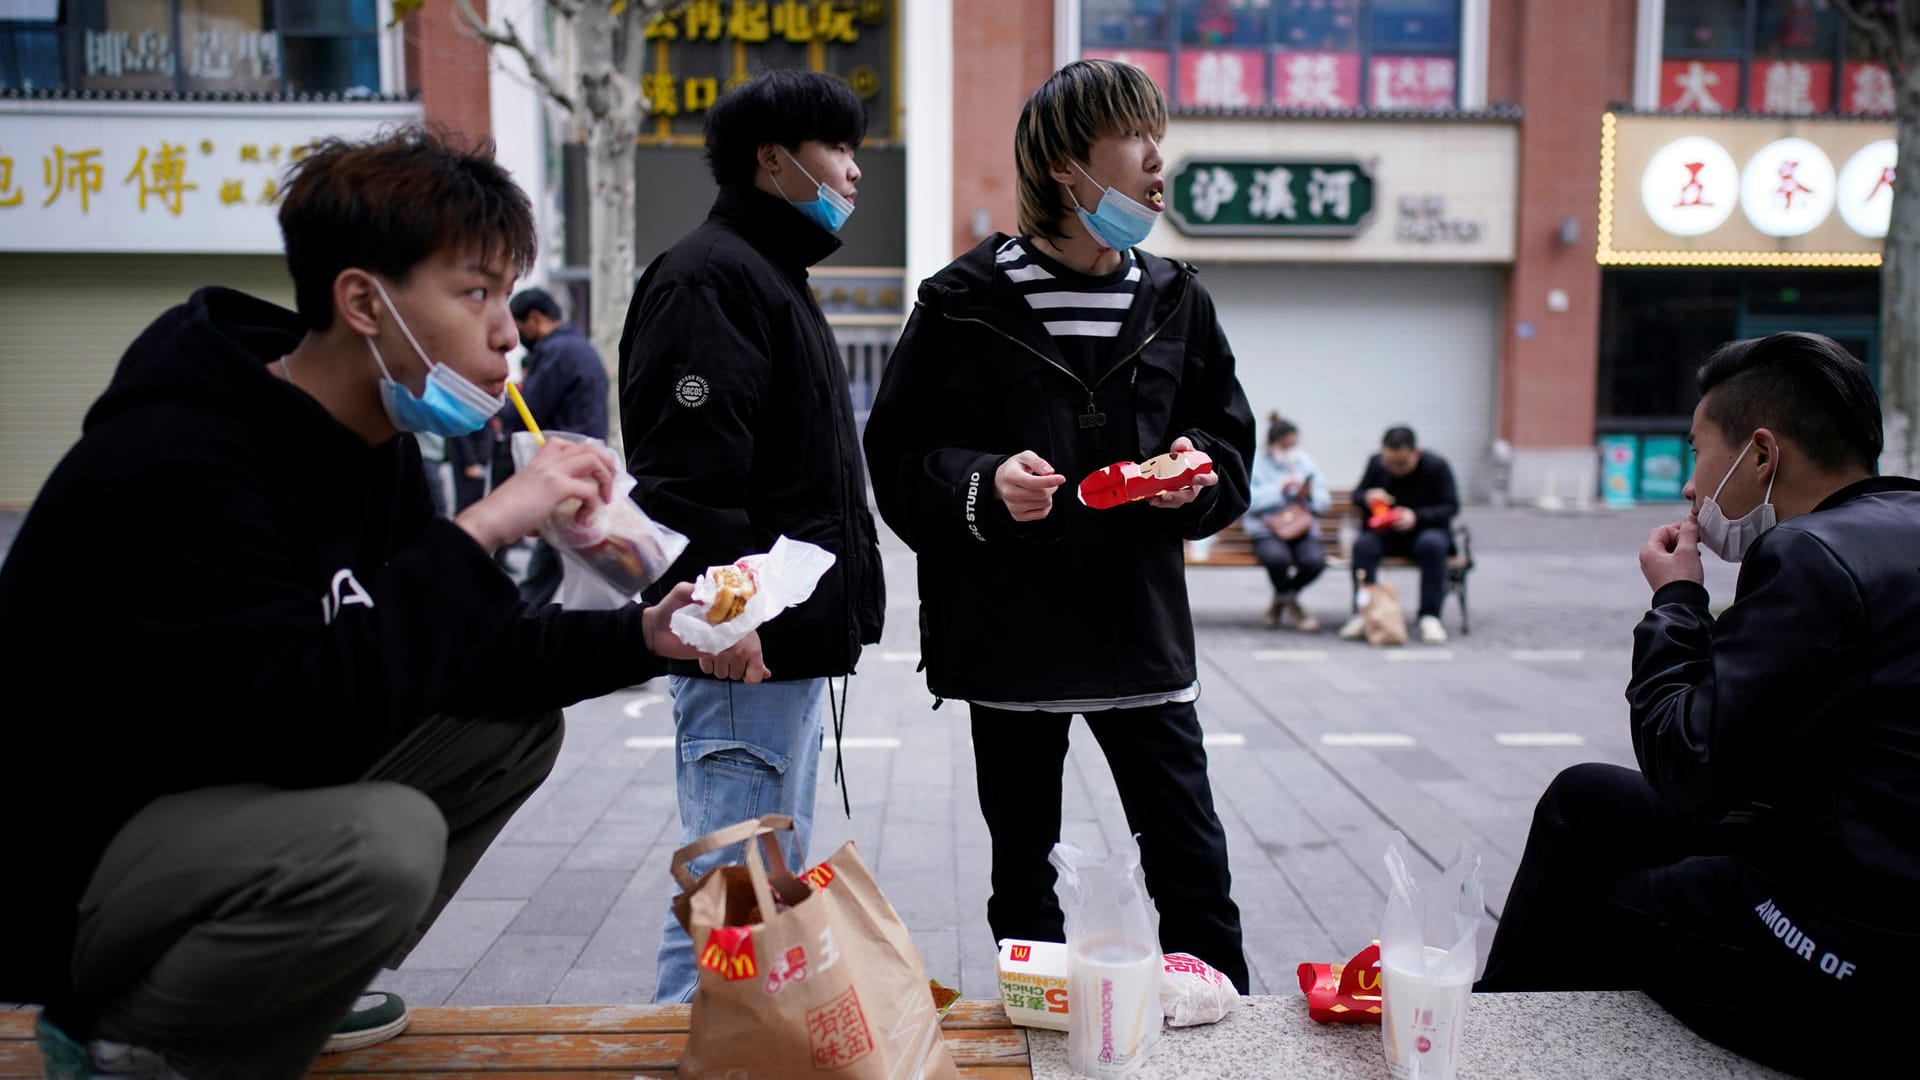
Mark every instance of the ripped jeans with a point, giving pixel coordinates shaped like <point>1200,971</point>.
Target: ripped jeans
<point>744,751</point>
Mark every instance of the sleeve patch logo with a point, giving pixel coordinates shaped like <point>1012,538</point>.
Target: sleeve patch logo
<point>691,391</point>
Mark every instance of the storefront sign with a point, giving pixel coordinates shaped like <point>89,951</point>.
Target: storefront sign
<point>1270,198</point>
<point>83,176</point>
<point>1373,190</point>
<point>699,48</point>
<point>1744,192</point>
<point>1424,219</point>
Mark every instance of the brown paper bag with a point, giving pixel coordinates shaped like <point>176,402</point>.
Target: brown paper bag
<point>1386,620</point>
<point>812,976</point>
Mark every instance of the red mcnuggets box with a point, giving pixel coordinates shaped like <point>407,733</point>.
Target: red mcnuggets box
<point>1346,993</point>
<point>1124,481</point>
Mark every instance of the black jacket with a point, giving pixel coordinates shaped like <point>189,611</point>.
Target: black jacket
<point>738,423</point>
<point>1428,490</point>
<point>1082,604</point>
<point>1802,701</point>
<point>243,592</point>
<point>565,385</point>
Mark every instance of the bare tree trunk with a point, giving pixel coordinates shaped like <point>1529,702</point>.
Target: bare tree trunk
<point>609,118</point>
<point>1900,283</point>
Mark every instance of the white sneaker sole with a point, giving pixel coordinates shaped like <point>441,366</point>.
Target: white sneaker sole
<point>342,1041</point>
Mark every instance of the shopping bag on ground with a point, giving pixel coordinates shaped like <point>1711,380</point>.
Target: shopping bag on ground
<point>802,976</point>
<point>1427,959</point>
<point>1113,959</point>
<point>1384,619</point>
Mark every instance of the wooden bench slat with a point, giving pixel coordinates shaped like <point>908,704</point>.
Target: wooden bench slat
<point>548,1042</point>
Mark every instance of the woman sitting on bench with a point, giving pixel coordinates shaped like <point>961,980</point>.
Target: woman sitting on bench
<point>1288,493</point>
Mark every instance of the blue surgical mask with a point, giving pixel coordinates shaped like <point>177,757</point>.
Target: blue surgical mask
<point>1118,222</point>
<point>452,405</point>
<point>828,209</point>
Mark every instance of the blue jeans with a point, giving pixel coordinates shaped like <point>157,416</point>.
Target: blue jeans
<point>744,751</point>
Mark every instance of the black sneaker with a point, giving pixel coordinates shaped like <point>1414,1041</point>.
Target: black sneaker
<point>375,1018</point>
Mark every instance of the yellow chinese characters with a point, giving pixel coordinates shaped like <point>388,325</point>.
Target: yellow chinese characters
<point>9,195</point>
<point>164,178</point>
<point>77,171</point>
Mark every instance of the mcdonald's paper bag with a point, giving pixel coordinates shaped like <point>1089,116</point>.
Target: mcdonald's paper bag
<point>809,976</point>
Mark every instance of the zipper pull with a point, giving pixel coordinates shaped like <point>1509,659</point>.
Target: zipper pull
<point>1093,417</point>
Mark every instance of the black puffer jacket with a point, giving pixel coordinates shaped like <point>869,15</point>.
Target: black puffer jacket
<point>1083,604</point>
<point>739,427</point>
<point>1800,704</point>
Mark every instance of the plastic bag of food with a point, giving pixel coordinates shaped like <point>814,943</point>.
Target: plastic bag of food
<point>617,551</point>
<point>1113,959</point>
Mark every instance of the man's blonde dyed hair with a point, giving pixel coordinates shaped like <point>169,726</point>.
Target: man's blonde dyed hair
<point>1078,104</point>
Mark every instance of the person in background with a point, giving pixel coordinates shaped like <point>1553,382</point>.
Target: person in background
<point>565,387</point>
<point>1286,495</point>
<point>1417,488</point>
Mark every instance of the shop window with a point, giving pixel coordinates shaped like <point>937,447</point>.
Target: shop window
<point>172,46</point>
<point>30,45</point>
<point>1292,54</point>
<point>1794,57</point>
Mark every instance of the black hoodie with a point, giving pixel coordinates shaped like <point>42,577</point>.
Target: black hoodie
<point>243,591</point>
<point>1084,604</point>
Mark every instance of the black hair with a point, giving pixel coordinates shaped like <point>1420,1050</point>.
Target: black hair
<point>532,300</point>
<point>1279,427</point>
<point>1802,386</point>
<point>786,106</point>
<point>1399,438</point>
<point>388,204</point>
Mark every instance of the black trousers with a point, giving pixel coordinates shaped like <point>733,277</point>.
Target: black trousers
<point>1428,547</point>
<point>233,927</point>
<point>1617,890</point>
<point>1291,565</point>
<point>1160,768</point>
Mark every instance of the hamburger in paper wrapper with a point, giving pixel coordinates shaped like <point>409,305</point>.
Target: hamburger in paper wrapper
<point>1346,993</point>
<point>731,601</point>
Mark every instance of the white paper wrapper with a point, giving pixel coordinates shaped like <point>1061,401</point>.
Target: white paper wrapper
<point>786,576</point>
<point>618,551</point>
<point>1193,991</point>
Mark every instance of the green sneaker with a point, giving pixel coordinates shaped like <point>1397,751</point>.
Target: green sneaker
<point>375,1018</point>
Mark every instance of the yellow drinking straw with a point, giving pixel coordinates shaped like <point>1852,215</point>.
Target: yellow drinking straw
<point>526,417</point>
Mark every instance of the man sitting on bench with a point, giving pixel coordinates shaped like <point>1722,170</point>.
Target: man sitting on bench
<point>1415,488</point>
<point>1759,876</point>
<point>305,704</point>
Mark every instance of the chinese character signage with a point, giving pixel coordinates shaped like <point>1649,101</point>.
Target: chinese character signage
<point>699,48</point>
<point>1684,191</point>
<point>78,176</point>
<point>1316,80</point>
<point>1270,198</point>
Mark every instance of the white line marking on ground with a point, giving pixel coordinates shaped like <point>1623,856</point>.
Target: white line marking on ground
<point>1406,656</point>
<point>870,743</point>
<point>1283,655</point>
<point>650,742</point>
<point>1224,738</point>
<point>1547,656</point>
<point>1539,738</point>
<point>632,708</point>
<point>1365,738</point>
<point>900,657</point>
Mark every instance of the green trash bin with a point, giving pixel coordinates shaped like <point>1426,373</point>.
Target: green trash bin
<point>1663,467</point>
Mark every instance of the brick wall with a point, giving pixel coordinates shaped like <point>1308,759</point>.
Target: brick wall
<point>1568,62</point>
<point>1002,52</point>
<point>449,67</point>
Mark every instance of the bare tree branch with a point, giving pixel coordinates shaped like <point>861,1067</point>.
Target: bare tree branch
<point>510,39</point>
<point>1884,45</point>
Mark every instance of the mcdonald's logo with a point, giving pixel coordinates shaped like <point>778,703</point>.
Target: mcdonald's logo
<point>1022,953</point>
<point>819,877</point>
<point>729,951</point>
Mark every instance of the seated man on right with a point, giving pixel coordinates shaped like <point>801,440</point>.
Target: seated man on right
<point>1760,875</point>
<point>1417,486</point>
